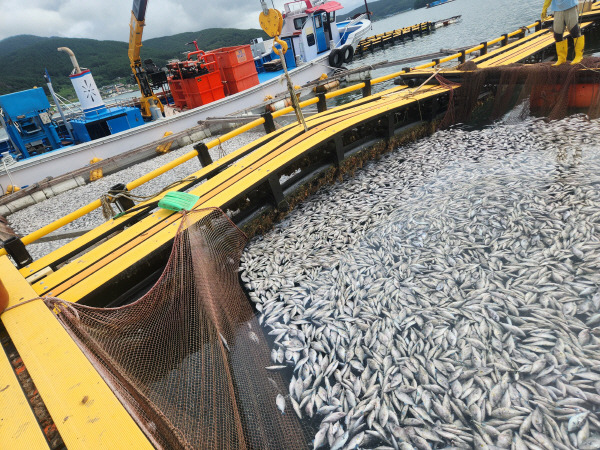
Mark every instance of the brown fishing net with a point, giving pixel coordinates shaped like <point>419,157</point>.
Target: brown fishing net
<point>188,360</point>
<point>541,90</point>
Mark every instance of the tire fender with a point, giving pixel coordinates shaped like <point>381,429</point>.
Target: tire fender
<point>347,53</point>
<point>336,58</point>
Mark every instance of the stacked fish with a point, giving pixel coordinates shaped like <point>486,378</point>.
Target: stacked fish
<point>446,296</point>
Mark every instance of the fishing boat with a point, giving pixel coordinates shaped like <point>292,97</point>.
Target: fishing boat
<point>318,45</point>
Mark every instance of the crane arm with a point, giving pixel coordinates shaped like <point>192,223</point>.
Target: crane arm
<point>136,29</point>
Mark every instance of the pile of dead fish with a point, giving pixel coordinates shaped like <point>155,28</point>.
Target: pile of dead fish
<point>446,296</point>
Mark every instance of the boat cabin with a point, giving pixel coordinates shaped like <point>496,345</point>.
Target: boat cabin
<point>310,27</point>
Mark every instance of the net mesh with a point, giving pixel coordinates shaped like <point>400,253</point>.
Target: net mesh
<point>544,90</point>
<point>188,360</point>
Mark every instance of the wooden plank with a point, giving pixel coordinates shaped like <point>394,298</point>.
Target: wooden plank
<point>519,53</point>
<point>510,47</point>
<point>19,429</point>
<point>84,409</point>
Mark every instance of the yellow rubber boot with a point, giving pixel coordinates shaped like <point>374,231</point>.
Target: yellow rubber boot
<point>561,50</point>
<point>579,44</point>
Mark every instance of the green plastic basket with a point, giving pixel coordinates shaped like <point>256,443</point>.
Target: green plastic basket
<point>177,201</point>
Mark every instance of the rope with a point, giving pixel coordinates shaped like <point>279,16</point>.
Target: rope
<point>450,116</point>
<point>112,195</point>
<point>58,303</point>
<point>222,152</point>
<point>49,301</point>
<point>107,209</point>
<point>22,303</point>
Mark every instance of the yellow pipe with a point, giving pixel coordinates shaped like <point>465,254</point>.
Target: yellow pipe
<point>289,109</point>
<point>310,101</point>
<point>426,66</point>
<point>32,237</point>
<point>160,170</point>
<point>282,112</point>
<point>474,49</point>
<point>236,132</point>
<point>386,77</point>
<point>450,58</point>
<point>529,27</point>
<point>352,88</point>
<point>495,41</point>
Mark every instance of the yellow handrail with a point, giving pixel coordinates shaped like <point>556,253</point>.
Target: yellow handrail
<point>495,41</point>
<point>345,90</point>
<point>426,66</point>
<point>32,237</point>
<point>474,49</point>
<point>450,58</point>
<point>282,112</point>
<point>236,132</point>
<point>160,170</point>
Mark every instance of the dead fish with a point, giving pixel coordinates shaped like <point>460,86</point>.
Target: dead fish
<point>280,401</point>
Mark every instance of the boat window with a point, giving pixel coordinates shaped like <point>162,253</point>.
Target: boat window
<point>310,38</point>
<point>299,23</point>
<point>318,21</point>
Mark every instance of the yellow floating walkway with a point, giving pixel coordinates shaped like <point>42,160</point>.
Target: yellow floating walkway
<point>391,37</point>
<point>18,425</point>
<point>83,407</point>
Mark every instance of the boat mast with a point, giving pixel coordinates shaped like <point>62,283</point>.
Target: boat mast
<point>367,8</point>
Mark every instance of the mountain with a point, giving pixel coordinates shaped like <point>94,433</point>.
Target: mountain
<point>24,58</point>
<point>383,8</point>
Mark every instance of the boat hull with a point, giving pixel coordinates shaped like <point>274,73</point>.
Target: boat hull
<point>65,160</point>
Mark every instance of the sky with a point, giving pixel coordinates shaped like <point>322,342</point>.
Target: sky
<point>109,19</point>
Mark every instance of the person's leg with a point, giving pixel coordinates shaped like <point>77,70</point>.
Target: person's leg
<point>562,45</point>
<point>572,23</point>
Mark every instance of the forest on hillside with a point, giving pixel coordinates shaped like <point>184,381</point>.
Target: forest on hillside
<point>24,58</point>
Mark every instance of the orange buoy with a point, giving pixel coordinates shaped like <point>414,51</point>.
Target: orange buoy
<point>580,95</point>
<point>326,87</point>
<point>276,106</point>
